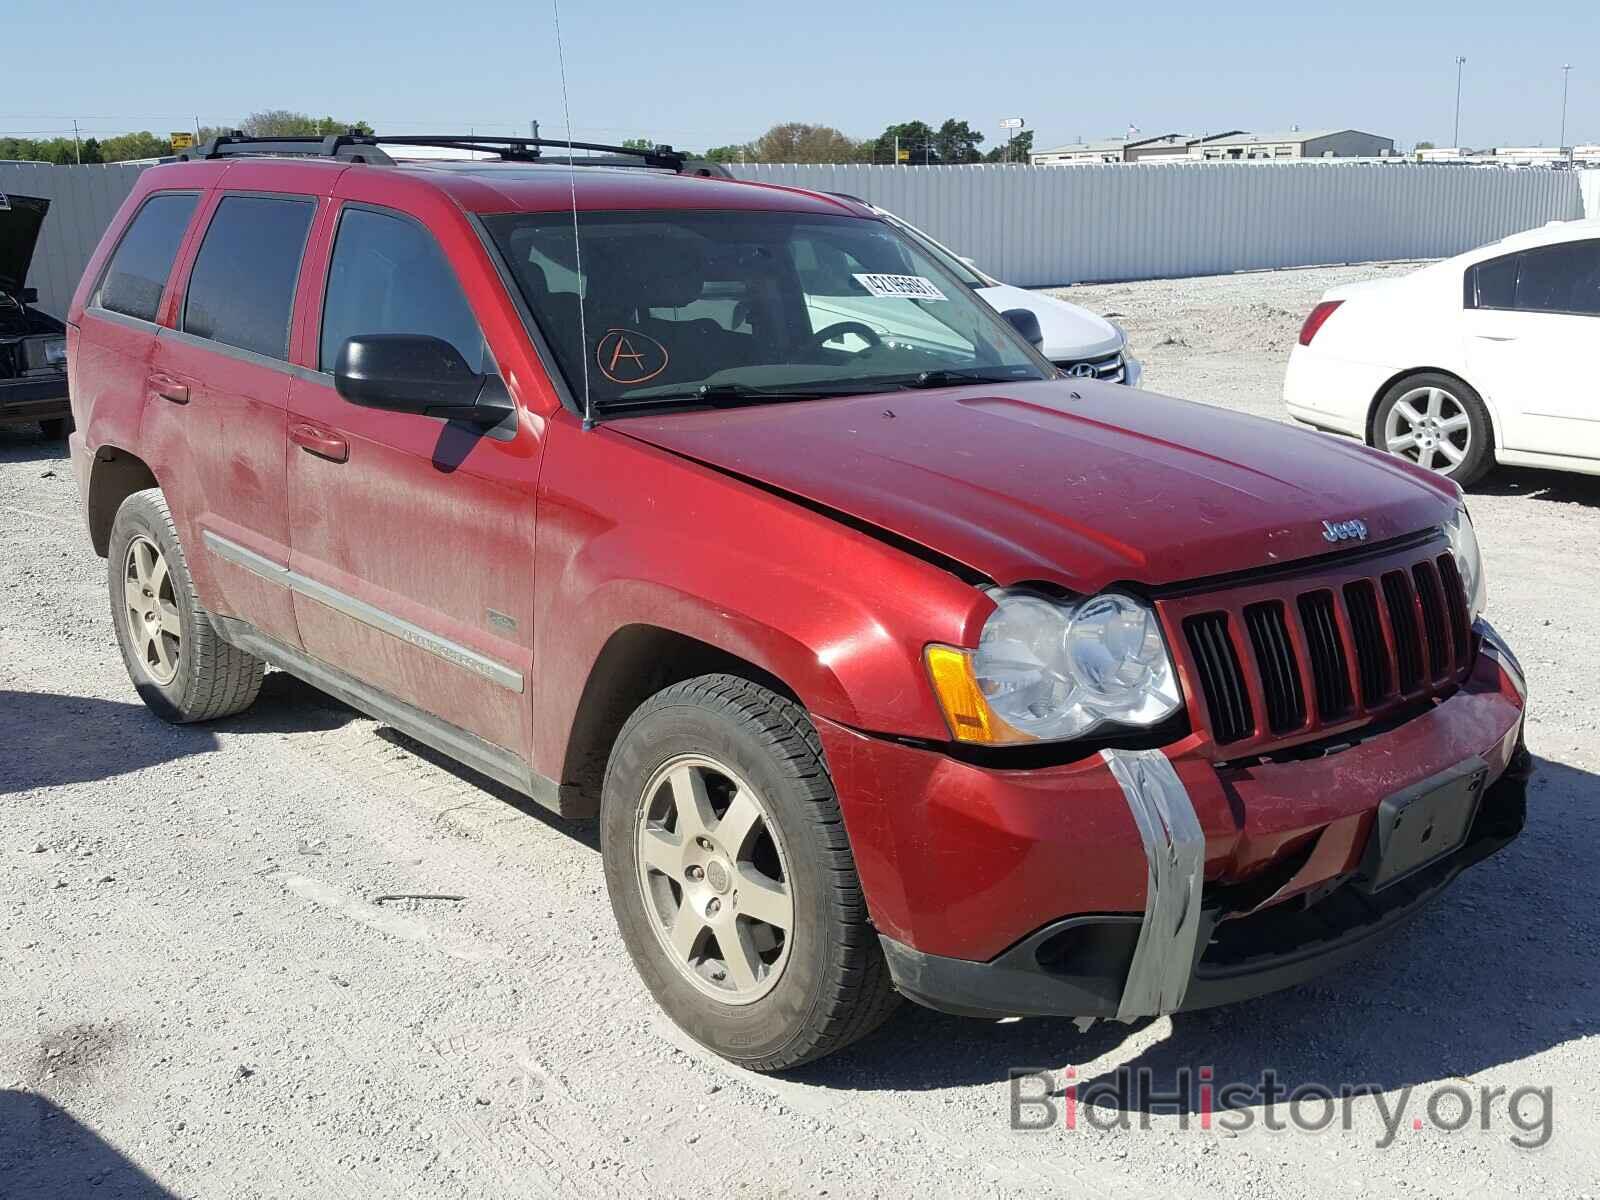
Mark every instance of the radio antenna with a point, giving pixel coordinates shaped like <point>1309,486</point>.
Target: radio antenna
<point>577,248</point>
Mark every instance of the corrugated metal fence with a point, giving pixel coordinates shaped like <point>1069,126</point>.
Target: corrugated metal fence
<point>1589,182</point>
<point>82,202</point>
<point>1036,226</point>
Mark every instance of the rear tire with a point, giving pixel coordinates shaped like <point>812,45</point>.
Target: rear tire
<point>1437,421</point>
<point>179,666</point>
<point>765,1001</point>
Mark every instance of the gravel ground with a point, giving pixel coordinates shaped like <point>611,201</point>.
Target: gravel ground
<point>293,954</point>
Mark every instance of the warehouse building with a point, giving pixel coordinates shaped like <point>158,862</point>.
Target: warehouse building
<point>1297,143</point>
<point>1108,151</point>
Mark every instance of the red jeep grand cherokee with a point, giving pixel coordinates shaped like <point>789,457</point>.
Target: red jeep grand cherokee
<point>890,660</point>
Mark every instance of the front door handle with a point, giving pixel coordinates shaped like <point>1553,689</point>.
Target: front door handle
<point>1495,337</point>
<point>320,442</point>
<point>169,388</point>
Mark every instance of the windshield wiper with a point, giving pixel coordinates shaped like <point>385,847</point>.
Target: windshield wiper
<point>727,395</point>
<point>944,377</point>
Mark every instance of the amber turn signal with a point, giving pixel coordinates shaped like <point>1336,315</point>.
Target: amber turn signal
<point>965,710</point>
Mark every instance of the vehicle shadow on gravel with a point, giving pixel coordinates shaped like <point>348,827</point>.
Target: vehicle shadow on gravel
<point>1557,487</point>
<point>48,1154</point>
<point>54,739</point>
<point>25,444</point>
<point>1474,982</point>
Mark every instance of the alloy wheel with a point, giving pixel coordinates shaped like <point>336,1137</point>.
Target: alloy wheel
<point>1427,425</point>
<point>151,611</point>
<point>714,877</point>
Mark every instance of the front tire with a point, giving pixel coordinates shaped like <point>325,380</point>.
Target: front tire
<point>731,877</point>
<point>55,429</point>
<point>1436,421</point>
<point>179,666</point>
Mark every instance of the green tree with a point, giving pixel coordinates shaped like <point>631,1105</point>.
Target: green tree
<point>797,142</point>
<point>739,152</point>
<point>1014,150</point>
<point>1425,146</point>
<point>957,142</point>
<point>914,139</point>
<point>126,146</point>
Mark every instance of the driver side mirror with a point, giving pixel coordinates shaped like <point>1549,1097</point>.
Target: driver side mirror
<point>413,373</point>
<point>1026,322</point>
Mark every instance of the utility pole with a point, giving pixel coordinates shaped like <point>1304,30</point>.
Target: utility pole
<point>1461,61</point>
<point>533,130</point>
<point>897,149</point>
<point>77,146</point>
<point>1566,70</point>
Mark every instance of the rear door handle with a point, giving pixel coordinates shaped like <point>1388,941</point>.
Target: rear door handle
<point>169,388</point>
<point>320,442</point>
<point>1495,337</point>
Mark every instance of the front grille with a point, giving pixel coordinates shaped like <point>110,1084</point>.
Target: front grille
<point>1269,638</point>
<point>1107,368</point>
<point>1327,649</point>
<point>1220,676</point>
<point>1330,670</point>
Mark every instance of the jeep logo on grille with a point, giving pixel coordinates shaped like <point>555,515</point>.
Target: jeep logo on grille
<point>1353,530</point>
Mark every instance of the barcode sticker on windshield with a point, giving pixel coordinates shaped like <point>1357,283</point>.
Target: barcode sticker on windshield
<point>901,287</point>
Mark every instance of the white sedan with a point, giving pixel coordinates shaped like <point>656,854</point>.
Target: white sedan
<point>1080,342</point>
<point>1489,357</point>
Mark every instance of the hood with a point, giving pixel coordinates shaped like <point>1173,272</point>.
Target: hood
<point>21,218</point>
<point>1065,481</point>
<point>1070,331</point>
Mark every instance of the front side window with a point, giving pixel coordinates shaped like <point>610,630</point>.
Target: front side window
<point>241,291</point>
<point>388,275</point>
<point>713,306</point>
<point>137,274</point>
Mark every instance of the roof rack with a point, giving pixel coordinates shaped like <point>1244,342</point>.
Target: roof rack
<point>354,146</point>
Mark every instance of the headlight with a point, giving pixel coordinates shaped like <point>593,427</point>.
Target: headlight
<point>55,352</point>
<point>1046,670</point>
<point>1469,561</point>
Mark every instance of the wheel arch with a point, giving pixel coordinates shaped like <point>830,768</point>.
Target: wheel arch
<point>1371,425</point>
<point>114,475</point>
<point>636,662</point>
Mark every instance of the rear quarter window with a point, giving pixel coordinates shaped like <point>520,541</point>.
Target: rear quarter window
<point>241,291</point>
<point>137,275</point>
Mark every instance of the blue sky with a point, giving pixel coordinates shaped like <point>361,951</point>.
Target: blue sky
<point>703,74</point>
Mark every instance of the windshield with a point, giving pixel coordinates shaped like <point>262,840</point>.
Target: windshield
<point>963,271</point>
<point>717,307</point>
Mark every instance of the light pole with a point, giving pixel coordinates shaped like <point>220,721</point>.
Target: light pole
<point>1566,70</point>
<point>1461,61</point>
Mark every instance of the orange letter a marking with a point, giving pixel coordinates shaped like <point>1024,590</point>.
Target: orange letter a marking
<point>624,349</point>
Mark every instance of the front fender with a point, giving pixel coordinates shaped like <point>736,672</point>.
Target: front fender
<point>840,617</point>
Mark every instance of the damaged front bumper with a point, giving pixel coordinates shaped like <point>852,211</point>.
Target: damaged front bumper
<point>1247,879</point>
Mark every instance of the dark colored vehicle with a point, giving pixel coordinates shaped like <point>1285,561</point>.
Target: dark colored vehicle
<point>890,660</point>
<point>33,345</point>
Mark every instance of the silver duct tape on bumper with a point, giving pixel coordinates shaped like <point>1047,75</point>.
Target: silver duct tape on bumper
<point>1175,854</point>
<point>1495,647</point>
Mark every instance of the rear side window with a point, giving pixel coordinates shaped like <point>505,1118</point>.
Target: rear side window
<point>388,275</point>
<point>241,291</point>
<point>137,274</point>
<point>1564,278</point>
<point>1495,284</point>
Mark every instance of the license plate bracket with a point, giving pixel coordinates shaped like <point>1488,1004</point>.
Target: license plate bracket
<point>1426,821</point>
